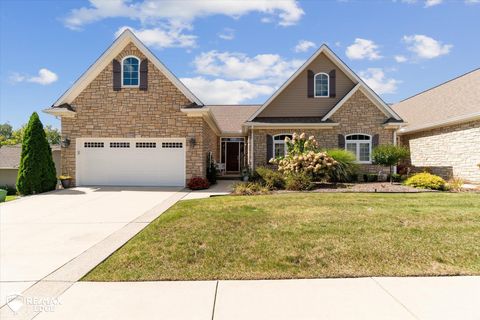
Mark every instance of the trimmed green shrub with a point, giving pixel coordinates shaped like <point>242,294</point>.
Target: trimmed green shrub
<point>372,177</point>
<point>36,172</point>
<point>346,166</point>
<point>298,182</point>
<point>273,179</point>
<point>249,188</point>
<point>395,177</point>
<point>11,190</point>
<point>426,180</point>
<point>389,155</point>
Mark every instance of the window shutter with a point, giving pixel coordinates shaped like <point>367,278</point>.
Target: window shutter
<point>375,140</point>
<point>269,147</point>
<point>143,75</point>
<point>333,85</point>
<point>117,75</point>
<point>341,141</point>
<point>310,86</point>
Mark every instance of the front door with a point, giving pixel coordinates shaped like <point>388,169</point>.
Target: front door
<point>233,155</point>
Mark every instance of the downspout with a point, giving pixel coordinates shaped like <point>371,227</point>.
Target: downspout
<point>252,153</point>
<point>395,143</point>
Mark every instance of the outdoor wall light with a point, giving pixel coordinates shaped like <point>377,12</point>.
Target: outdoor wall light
<point>65,142</point>
<point>192,142</point>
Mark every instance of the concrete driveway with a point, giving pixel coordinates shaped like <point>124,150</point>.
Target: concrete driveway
<point>41,233</point>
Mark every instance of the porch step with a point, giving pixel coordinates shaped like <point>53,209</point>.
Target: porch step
<point>228,177</point>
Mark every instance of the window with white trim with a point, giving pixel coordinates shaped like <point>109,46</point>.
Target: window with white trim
<point>279,145</point>
<point>360,145</point>
<point>321,83</point>
<point>130,71</point>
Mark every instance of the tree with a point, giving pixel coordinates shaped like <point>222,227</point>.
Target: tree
<point>389,155</point>
<point>5,131</point>
<point>53,135</point>
<point>36,173</point>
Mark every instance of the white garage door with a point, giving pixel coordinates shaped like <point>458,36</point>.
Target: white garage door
<point>130,162</point>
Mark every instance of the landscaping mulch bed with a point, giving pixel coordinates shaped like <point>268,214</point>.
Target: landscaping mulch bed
<point>368,187</point>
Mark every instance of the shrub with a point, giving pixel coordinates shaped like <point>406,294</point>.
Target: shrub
<point>273,179</point>
<point>11,190</point>
<point>372,177</point>
<point>249,188</point>
<point>455,184</point>
<point>298,182</point>
<point>36,172</point>
<point>395,177</point>
<point>346,166</point>
<point>389,155</point>
<point>198,183</point>
<point>426,180</point>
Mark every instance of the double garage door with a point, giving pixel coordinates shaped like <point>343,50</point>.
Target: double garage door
<point>130,162</point>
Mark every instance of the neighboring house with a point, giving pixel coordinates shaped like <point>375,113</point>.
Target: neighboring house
<point>130,121</point>
<point>443,128</point>
<point>10,161</point>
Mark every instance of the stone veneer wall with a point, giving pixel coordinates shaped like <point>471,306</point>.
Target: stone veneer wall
<point>131,113</point>
<point>451,151</point>
<point>357,115</point>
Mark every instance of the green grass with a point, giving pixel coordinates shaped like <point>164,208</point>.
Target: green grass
<point>10,198</point>
<point>304,235</point>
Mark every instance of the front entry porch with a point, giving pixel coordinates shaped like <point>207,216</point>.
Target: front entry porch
<point>232,156</point>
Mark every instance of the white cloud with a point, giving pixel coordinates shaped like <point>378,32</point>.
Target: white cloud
<point>287,12</point>
<point>163,38</point>
<point>264,68</point>
<point>304,46</point>
<point>363,49</point>
<point>227,34</point>
<point>431,3</point>
<point>375,78</point>
<point>425,47</point>
<point>400,58</point>
<point>221,91</point>
<point>44,77</point>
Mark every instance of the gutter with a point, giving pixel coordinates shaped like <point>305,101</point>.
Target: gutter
<point>437,124</point>
<point>261,125</point>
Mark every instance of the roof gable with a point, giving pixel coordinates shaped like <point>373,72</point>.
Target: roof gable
<point>115,48</point>
<point>324,49</point>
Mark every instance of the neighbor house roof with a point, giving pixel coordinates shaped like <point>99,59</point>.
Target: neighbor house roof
<point>230,118</point>
<point>454,101</point>
<point>10,156</point>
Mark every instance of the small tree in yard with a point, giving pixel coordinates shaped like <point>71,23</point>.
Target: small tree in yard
<point>389,155</point>
<point>36,173</point>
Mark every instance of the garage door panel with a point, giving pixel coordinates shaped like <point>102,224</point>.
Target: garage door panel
<point>131,162</point>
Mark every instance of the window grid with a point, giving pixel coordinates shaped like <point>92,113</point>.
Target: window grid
<point>119,144</point>
<point>145,144</point>
<point>93,145</point>
<point>130,71</point>
<point>360,146</point>
<point>279,146</point>
<point>172,145</point>
<point>321,85</point>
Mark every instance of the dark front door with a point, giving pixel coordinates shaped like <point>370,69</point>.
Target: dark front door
<point>233,153</point>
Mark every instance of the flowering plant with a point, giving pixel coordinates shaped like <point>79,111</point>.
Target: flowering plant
<point>304,156</point>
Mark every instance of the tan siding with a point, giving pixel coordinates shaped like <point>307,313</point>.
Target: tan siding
<point>293,100</point>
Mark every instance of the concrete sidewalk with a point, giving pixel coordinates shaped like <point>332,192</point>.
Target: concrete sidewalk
<point>361,298</point>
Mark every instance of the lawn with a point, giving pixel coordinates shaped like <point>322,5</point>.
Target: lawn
<point>10,198</point>
<point>304,235</point>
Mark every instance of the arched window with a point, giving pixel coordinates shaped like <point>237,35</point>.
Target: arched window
<point>322,85</point>
<point>130,71</point>
<point>360,145</point>
<point>279,146</point>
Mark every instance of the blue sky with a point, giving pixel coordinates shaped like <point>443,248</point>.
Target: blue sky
<point>234,51</point>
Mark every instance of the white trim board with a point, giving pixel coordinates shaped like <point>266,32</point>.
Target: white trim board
<point>342,66</point>
<point>115,48</point>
